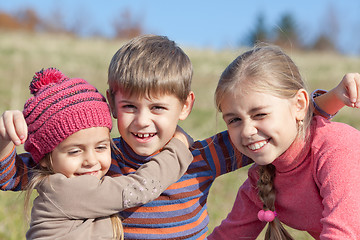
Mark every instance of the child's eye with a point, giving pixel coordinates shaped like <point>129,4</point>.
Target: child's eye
<point>260,116</point>
<point>233,120</point>
<point>102,147</point>
<point>73,151</point>
<point>158,108</point>
<point>128,108</point>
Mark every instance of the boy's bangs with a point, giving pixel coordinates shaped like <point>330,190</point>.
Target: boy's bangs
<point>150,88</point>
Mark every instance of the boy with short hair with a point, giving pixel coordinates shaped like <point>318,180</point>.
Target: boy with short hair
<point>149,92</point>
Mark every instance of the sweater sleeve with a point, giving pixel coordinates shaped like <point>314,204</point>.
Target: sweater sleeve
<point>14,171</point>
<point>242,221</point>
<point>87,197</point>
<point>220,154</point>
<point>337,169</point>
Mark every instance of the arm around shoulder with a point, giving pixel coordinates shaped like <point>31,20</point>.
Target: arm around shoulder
<point>86,197</point>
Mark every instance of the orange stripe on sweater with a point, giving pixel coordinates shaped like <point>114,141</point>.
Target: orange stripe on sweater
<point>214,156</point>
<point>9,153</point>
<point>5,185</point>
<point>168,208</point>
<point>187,183</point>
<point>167,230</point>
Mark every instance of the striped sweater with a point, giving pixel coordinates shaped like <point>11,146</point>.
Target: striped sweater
<point>180,212</point>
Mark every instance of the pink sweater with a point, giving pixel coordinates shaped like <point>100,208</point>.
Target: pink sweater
<point>317,188</point>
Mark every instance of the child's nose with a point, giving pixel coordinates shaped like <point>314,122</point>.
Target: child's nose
<point>143,118</point>
<point>248,130</point>
<point>90,159</point>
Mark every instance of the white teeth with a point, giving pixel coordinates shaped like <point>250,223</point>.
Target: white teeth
<point>257,145</point>
<point>144,135</point>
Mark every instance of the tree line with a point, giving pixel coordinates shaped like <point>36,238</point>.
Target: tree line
<point>125,27</point>
<point>286,33</point>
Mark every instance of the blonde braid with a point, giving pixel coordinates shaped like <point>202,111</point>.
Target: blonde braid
<point>267,195</point>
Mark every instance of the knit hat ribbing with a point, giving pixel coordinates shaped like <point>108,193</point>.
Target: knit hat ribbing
<point>60,107</point>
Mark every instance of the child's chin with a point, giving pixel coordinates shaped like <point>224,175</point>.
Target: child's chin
<point>145,152</point>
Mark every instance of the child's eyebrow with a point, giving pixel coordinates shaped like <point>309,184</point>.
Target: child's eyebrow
<point>251,111</point>
<point>124,101</point>
<point>228,115</point>
<point>160,103</point>
<point>257,109</point>
<point>104,140</point>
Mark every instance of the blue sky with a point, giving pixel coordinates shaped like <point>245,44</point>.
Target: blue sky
<point>200,23</point>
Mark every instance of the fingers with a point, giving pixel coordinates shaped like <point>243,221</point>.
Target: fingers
<point>351,83</point>
<point>183,136</point>
<point>13,127</point>
<point>20,126</point>
<point>357,81</point>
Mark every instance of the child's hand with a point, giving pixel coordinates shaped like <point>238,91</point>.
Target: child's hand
<point>348,90</point>
<point>183,136</point>
<point>13,127</point>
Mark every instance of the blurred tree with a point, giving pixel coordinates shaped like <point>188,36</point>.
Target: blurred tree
<point>126,27</point>
<point>28,19</point>
<point>9,22</point>
<point>286,34</point>
<point>324,43</point>
<point>328,37</point>
<point>259,33</point>
<point>79,25</point>
<point>54,23</point>
<point>21,20</point>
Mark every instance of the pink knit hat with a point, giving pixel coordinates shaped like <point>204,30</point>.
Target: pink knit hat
<point>60,107</point>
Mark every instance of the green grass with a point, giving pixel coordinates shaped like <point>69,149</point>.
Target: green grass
<point>24,54</point>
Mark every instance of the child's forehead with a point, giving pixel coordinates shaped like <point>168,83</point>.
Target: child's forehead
<point>149,96</point>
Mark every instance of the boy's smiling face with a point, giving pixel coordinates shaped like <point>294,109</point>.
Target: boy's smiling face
<point>147,124</point>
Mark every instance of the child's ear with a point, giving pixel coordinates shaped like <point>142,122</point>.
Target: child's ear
<point>301,104</point>
<point>46,162</point>
<point>110,98</point>
<point>188,105</point>
<point>43,164</point>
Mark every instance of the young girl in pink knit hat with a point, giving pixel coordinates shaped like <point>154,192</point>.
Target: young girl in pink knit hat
<point>69,125</point>
<point>306,171</point>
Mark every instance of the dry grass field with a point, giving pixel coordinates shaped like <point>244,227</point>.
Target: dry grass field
<point>23,54</point>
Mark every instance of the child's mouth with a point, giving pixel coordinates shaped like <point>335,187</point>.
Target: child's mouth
<point>144,136</point>
<point>257,145</point>
<point>92,173</point>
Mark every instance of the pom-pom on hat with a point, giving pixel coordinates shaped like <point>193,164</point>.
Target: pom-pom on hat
<point>60,107</point>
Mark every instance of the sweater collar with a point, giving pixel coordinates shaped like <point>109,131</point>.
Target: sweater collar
<point>131,155</point>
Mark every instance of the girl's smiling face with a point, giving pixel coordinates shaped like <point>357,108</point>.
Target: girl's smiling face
<point>261,126</point>
<point>86,152</point>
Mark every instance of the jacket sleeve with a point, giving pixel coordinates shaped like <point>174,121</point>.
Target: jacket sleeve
<point>87,197</point>
<point>14,171</point>
<point>242,221</point>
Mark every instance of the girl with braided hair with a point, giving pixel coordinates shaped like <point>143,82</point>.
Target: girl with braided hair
<point>306,171</point>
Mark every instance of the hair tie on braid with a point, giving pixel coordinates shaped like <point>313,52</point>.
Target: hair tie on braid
<point>267,216</point>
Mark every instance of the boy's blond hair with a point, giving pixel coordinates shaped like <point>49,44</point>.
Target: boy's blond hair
<point>150,65</point>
